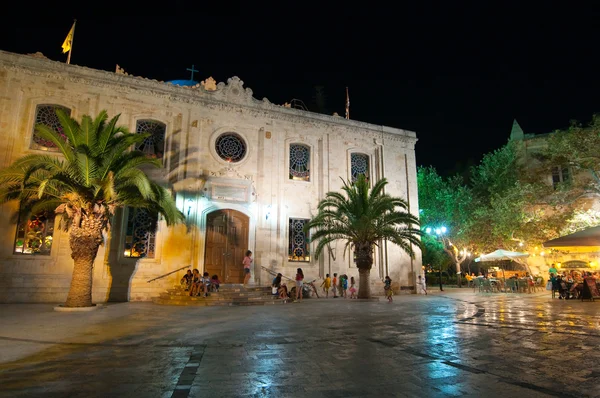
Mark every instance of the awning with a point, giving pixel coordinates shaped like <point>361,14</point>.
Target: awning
<point>586,240</point>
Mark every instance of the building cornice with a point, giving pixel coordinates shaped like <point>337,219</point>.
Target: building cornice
<point>231,96</point>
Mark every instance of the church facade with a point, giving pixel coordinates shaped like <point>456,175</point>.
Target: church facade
<point>246,173</point>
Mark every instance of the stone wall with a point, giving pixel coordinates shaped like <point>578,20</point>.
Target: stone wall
<point>194,118</point>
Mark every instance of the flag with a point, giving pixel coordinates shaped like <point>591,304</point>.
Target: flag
<point>68,43</point>
<point>347,104</point>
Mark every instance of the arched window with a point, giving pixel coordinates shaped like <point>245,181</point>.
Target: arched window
<point>359,164</point>
<point>154,145</point>
<point>230,147</point>
<point>46,114</point>
<point>34,234</point>
<point>140,235</point>
<point>299,162</point>
<point>298,248</point>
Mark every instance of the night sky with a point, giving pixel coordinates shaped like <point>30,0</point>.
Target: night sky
<point>457,75</point>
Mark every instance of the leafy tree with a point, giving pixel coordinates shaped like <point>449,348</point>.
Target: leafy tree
<point>96,174</point>
<point>363,217</point>
<point>445,202</point>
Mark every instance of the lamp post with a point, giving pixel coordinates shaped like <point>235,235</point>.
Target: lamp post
<point>439,232</point>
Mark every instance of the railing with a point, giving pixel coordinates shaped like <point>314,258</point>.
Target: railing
<point>169,273</point>
<point>311,284</point>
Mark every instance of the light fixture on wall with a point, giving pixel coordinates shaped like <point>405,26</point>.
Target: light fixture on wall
<point>190,203</point>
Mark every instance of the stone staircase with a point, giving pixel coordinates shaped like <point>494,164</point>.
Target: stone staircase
<point>228,295</point>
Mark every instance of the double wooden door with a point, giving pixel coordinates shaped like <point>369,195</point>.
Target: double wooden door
<point>226,245</point>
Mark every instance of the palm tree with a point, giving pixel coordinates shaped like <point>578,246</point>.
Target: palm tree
<point>96,174</point>
<point>363,218</point>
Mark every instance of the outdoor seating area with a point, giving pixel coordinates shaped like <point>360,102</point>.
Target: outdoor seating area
<point>506,285</point>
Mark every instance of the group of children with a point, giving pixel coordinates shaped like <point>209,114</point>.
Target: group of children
<point>339,284</point>
<point>195,284</point>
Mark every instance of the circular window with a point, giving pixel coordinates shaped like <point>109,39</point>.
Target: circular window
<point>230,147</point>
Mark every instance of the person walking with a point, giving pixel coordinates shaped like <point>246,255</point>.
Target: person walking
<point>334,285</point>
<point>247,264</point>
<point>299,283</point>
<point>421,286</point>
<point>388,288</point>
<point>352,288</point>
<point>326,285</point>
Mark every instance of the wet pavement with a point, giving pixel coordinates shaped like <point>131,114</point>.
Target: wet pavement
<point>455,343</point>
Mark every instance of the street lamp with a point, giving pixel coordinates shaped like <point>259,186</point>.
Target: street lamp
<point>439,232</point>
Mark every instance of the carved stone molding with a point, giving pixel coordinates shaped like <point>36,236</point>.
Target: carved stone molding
<point>230,96</point>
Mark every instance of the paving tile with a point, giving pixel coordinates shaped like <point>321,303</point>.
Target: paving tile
<point>415,347</point>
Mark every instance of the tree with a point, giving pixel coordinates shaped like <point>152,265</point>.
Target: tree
<point>446,202</point>
<point>96,174</point>
<point>363,217</point>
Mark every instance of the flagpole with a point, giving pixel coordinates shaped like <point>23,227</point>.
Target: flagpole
<point>72,40</point>
<point>347,104</point>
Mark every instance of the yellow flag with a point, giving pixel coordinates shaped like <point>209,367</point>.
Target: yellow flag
<point>66,46</point>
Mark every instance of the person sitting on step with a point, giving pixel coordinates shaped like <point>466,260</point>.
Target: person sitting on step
<point>205,280</point>
<point>195,287</point>
<point>186,281</point>
<point>215,283</point>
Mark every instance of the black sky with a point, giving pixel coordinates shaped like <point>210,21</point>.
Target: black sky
<point>456,74</point>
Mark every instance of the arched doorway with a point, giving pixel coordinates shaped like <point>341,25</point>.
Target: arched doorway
<point>226,244</point>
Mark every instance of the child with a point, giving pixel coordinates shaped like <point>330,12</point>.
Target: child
<point>247,265</point>
<point>352,288</point>
<point>421,286</point>
<point>186,281</point>
<point>388,289</point>
<point>205,283</point>
<point>334,285</point>
<point>344,280</point>
<point>326,285</point>
<point>283,292</point>
<point>215,283</point>
<point>299,284</point>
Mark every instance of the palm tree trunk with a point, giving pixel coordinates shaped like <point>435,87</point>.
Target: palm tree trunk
<point>364,283</point>
<point>84,242</point>
<point>364,262</point>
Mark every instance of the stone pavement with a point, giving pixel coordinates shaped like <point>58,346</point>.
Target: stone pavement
<point>452,343</point>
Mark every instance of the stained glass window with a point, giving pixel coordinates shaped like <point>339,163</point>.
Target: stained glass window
<point>298,241</point>
<point>34,234</point>
<point>230,147</point>
<point>299,162</point>
<point>154,145</point>
<point>46,114</point>
<point>140,235</point>
<point>359,164</point>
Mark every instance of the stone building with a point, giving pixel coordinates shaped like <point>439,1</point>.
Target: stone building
<point>246,173</point>
<point>559,177</point>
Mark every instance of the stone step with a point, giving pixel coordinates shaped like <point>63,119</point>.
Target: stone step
<point>213,297</point>
<point>221,294</point>
<point>209,303</point>
<point>228,295</point>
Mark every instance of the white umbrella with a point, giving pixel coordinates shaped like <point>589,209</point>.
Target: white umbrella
<point>500,255</point>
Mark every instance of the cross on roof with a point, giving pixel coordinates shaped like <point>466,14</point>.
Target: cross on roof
<point>192,70</point>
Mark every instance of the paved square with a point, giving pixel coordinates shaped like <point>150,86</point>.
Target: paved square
<point>455,343</point>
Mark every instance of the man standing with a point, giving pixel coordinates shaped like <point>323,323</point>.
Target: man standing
<point>553,269</point>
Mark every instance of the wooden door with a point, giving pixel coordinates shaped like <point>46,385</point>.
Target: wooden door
<point>226,245</point>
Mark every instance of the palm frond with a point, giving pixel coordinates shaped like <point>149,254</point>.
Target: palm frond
<point>49,134</point>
